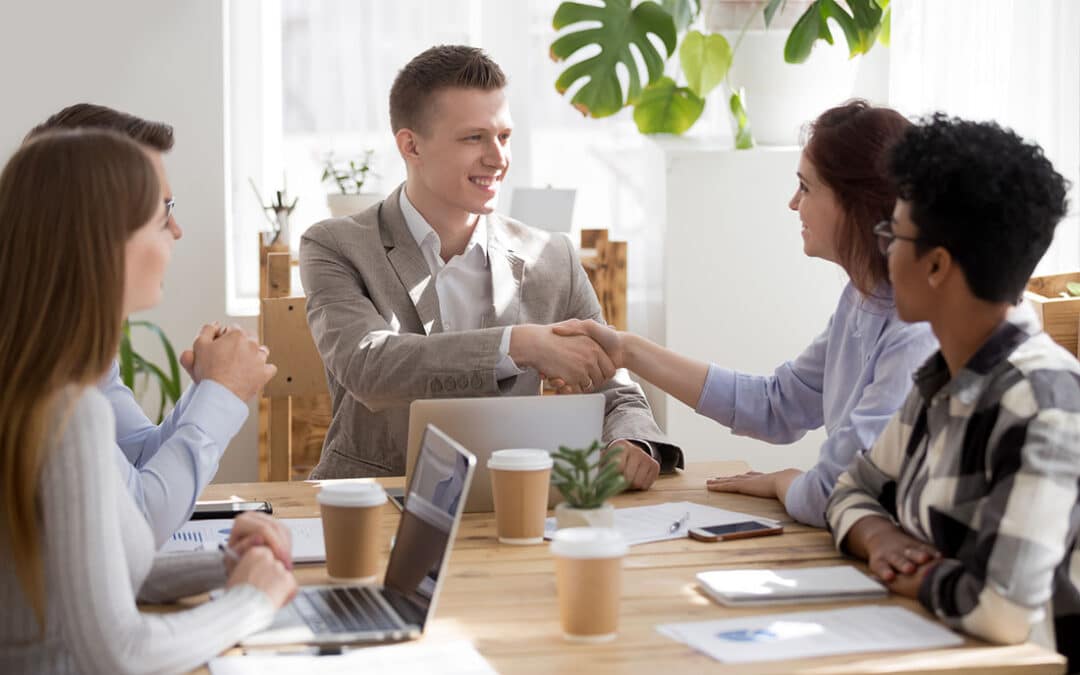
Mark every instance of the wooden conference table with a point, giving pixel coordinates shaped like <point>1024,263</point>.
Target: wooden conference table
<point>502,598</point>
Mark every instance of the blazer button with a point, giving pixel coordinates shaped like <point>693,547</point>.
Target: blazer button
<point>450,384</point>
<point>463,381</point>
<point>476,381</point>
<point>436,386</point>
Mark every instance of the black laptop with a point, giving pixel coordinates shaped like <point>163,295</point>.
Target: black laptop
<point>403,605</point>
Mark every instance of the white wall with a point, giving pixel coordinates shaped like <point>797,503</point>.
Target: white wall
<point>159,60</point>
<point>737,289</point>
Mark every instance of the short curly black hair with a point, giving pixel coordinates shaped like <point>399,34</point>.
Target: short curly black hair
<point>983,194</point>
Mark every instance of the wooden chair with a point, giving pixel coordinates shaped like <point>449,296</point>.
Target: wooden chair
<point>296,411</point>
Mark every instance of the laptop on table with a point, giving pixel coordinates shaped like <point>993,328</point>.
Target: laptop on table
<point>403,605</point>
<point>496,423</point>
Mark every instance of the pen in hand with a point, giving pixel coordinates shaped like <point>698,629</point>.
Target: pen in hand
<point>677,525</point>
<point>229,553</point>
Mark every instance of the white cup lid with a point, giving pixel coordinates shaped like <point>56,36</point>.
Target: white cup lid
<point>588,542</point>
<point>520,459</point>
<point>351,494</point>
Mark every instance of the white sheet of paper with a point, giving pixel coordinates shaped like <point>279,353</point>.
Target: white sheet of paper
<point>777,637</point>
<point>419,658</point>
<point>205,535</point>
<point>643,524</point>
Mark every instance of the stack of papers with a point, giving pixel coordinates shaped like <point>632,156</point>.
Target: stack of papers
<point>804,584</point>
<point>205,535</point>
<point>776,637</point>
<point>451,658</point>
<point>643,524</point>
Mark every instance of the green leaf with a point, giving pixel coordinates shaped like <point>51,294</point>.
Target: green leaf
<point>744,139</point>
<point>1073,288</point>
<point>127,361</point>
<point>173,382</point>
<point>807,30</point>
<point>620,27</point>
<point>665,108</point>
<point>683,12</point>
<point>705,60</point>
<point>854,37</point>
<point>885,36</point>
<point>770,10</point>
<point>860,28</point>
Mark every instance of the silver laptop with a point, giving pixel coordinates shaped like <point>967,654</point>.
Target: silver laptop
<point>403,605</point>
<point>487,424</point>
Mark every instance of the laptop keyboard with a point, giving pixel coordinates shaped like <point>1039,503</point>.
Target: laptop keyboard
<point>344,609</point>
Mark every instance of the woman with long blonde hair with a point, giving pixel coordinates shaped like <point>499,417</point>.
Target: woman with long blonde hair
<point>84,242</point>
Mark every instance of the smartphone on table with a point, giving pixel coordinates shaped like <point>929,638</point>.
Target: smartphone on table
<point>213,510</point>
<point>741,530</point>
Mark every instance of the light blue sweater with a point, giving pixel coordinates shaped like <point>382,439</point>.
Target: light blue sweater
<point>852,378</point>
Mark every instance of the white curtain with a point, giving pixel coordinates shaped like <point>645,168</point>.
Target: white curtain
<point>1013,61</point>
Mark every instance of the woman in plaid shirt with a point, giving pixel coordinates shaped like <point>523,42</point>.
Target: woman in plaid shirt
<point>968,500</point>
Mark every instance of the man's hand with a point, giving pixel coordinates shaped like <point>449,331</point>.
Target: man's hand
<point>231,357</point>
<point>636,465</point>
<point>908,585</point>
<point>253,529</point>
<point>888,550</point>
<point>610,340</point>
<point>770,485</point>
<point>576,360</point>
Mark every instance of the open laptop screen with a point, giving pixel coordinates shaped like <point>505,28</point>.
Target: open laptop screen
<point>433,504</point>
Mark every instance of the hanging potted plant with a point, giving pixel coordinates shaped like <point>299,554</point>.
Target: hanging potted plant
<point>669,95</point>
<point>351,180</point>
<point>587,478</point>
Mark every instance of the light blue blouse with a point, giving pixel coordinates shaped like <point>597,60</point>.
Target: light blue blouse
<point>166,466</point>
<point>852,378</point>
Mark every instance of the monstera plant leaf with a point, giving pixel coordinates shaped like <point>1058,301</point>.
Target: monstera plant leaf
<point>861,27</point>
<point>620,26</point>
<point>665,108</point>
<point>705,60</point>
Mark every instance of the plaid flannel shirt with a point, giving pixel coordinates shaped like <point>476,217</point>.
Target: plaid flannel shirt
<point>986,467</point>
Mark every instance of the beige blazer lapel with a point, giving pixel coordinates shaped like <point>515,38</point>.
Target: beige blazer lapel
<point>507,272</point>
<point>408,263</point>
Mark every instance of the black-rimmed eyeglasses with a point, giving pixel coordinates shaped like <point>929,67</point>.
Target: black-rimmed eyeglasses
<point>885,236</point>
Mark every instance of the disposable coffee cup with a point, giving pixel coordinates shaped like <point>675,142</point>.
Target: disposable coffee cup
<point>351,519</point>
<point>520,480</point>
<point>588,576</point>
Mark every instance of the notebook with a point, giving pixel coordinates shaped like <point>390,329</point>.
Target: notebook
<point>736,588</point>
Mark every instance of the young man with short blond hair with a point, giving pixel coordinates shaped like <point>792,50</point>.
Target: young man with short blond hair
<point>431,294</point>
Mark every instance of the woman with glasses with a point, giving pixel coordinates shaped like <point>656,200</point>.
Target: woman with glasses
<point>856,373</point>
<point>84,241</point>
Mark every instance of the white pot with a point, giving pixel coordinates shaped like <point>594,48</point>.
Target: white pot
<point>568,516</point>
<point>346,205</point>
<point>782,97</point>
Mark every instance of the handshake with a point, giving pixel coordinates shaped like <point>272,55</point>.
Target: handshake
<point>573,357</point>
<point>230,356</point>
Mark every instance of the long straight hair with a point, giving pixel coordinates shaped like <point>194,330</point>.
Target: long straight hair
<point>849,147</point>
<point>69,201</point>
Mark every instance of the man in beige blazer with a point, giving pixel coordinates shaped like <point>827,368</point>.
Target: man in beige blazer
<point>431,294</point>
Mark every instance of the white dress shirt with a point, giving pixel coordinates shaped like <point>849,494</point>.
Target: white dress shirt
<point>463,283</point>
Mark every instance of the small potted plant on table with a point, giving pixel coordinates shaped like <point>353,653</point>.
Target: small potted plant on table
<point>587,478</point>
